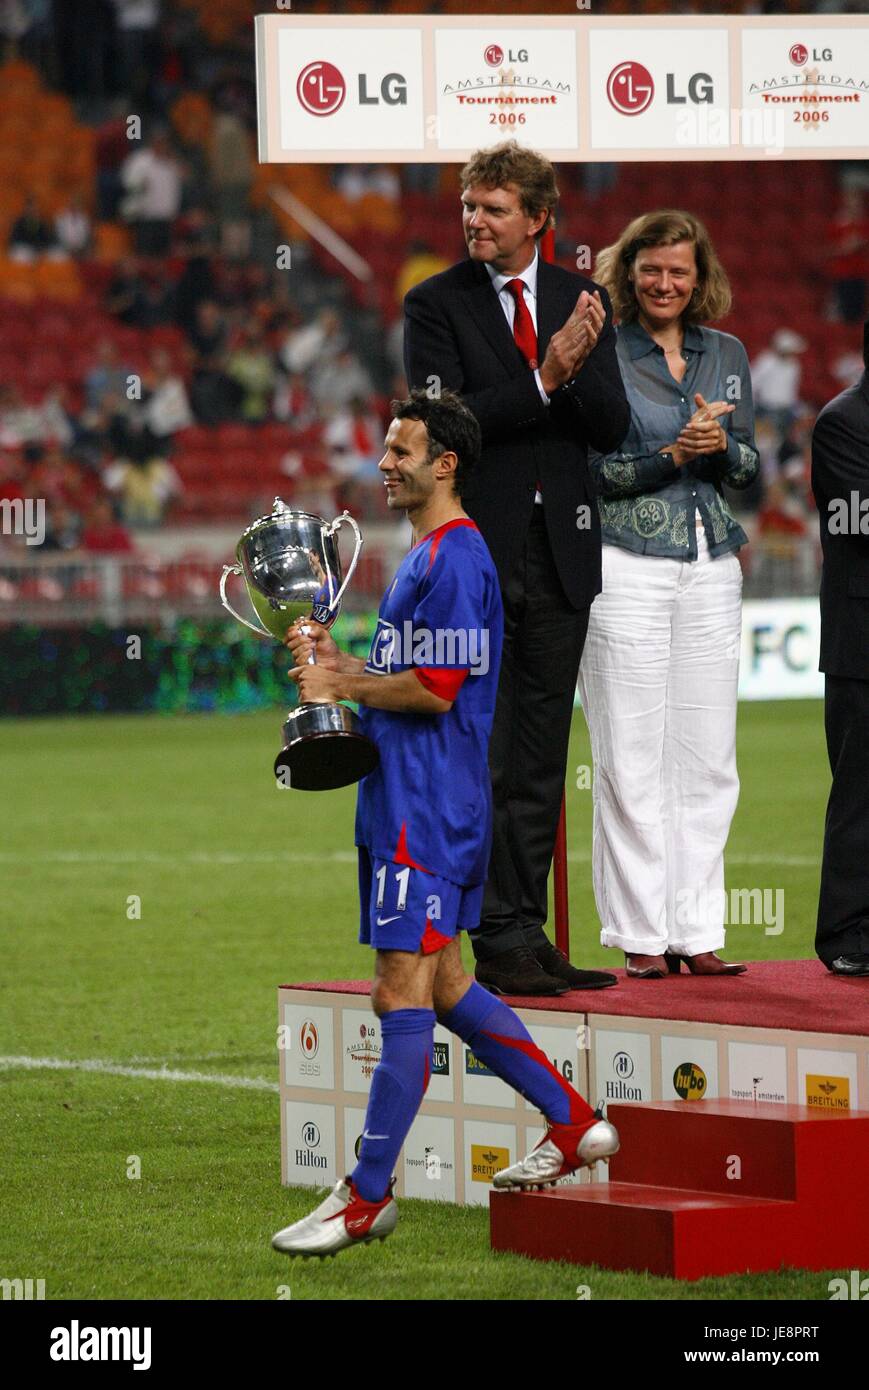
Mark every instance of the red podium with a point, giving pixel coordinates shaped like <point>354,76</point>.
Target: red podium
<point>711,1188</point>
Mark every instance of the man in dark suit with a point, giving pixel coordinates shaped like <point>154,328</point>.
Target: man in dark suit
<point>531,349</point>
<point>840,481</point>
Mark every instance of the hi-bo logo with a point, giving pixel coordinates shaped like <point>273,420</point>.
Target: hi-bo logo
<point>321,89</point>
<point>474,1067</point>
<point>630,89</point>
<point>689,1081</point>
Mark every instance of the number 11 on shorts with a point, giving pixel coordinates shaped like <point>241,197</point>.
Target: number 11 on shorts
<point>402,878</point>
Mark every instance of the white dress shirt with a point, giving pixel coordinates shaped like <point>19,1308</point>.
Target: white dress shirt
<point>500,281</point>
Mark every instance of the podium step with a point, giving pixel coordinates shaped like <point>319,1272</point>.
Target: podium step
<point>664,1230</point>
<point>707,1188</point>
<point>736,1147</point>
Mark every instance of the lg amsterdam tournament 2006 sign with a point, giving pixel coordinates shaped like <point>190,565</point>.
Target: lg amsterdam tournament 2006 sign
<point>498,82</point>
<point>432,88</point>
<point>814,81</point>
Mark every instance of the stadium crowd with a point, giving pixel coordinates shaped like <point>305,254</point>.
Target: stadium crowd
<point>197,351</point>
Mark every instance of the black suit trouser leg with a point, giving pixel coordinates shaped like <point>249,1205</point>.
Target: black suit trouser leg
<point>543,640</point>
<point>843,907</point>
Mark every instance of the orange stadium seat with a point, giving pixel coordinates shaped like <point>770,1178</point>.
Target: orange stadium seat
<point>111,241</point>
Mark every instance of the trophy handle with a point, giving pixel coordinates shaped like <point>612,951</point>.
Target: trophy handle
<point>227,571</point>
<point>330,531</point>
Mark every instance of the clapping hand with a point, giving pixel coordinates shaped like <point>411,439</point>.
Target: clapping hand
<point>702,434</point>
<point>569,347</point>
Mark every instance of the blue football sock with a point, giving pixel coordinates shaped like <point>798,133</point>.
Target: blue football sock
<point>497,1035</point>
<point>397,1088</point>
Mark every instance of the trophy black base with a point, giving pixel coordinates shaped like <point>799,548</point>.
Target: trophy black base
<point>324,748</point>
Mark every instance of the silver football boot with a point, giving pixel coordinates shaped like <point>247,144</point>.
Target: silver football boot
<point>562,1150</point>
<point>343,1219</point>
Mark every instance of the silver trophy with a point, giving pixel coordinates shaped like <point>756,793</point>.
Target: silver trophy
<point>292,569</point>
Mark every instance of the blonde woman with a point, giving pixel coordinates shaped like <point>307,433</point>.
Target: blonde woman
<point>659,671</point>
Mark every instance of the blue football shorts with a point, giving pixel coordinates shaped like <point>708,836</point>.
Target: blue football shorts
<point>404,909</point>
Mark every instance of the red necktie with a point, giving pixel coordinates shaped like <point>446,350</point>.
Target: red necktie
<point>524,334</point>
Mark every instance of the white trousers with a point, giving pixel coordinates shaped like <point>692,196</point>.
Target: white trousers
<point>658,686</point>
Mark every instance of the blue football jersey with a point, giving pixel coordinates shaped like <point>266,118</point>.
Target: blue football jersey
<point>429,801</point>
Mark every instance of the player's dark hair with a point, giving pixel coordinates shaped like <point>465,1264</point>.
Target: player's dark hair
<point>450,426</point>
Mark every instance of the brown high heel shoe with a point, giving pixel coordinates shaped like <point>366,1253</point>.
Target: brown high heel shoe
<point>645,967</point>
<point>706,963</point>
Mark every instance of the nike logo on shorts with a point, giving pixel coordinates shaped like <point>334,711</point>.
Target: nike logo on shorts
<point>382,921</point>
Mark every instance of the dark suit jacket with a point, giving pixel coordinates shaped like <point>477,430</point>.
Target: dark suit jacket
<point>456,330</point>
<point>840,467</point>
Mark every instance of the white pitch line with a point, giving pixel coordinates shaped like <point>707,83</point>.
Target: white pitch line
<point>246,1083</point>
<point>205,857</point>
<point>338,856</point>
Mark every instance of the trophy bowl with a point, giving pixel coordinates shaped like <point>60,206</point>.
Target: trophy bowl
<point>291,568</point>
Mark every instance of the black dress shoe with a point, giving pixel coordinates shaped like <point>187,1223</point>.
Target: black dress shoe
<point>517,972</point>
<point>856,964</point>
<point>555,963</point>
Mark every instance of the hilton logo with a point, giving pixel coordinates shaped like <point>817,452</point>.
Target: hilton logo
<point>306,1158</point>
<point>623,1066</point>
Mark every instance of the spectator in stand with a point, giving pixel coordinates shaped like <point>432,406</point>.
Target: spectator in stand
<point>103,534</point>
<point>145,487</point>
<point>317,342</point>
<point>848,256</point>
<point>153,178</point>
<point>214,397</point>
<point>336,383</point>
<point>847,369</point>
<point>166,406</point>
<point>775,379</point>
<point>108,377</point>
<point>354,181</point>
<point>292,401</point>
<point>58,478</point>
<point>72,228</point>
<point>231,163</point>
<point>421,263</point>
<point>136,43</point>
<point>251,367</point>
<point>197,281</point>
<point>18,422</point>
<point>125,296</point>
<point>64,529</point>
<point>354,438</point>
<point>32,235</point>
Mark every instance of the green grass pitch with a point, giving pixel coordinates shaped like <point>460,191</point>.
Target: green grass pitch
<point>243,887</point>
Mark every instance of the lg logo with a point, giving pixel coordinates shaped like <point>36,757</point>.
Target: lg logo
<point>494,55</point>
<point>799,55</point>
<point>321,89</point>
<point>631,88</point>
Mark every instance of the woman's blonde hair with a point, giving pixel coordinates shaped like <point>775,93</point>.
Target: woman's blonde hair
<point>712,297</point>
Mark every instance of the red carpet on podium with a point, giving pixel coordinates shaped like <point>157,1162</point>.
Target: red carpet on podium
<point>795,994</point>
